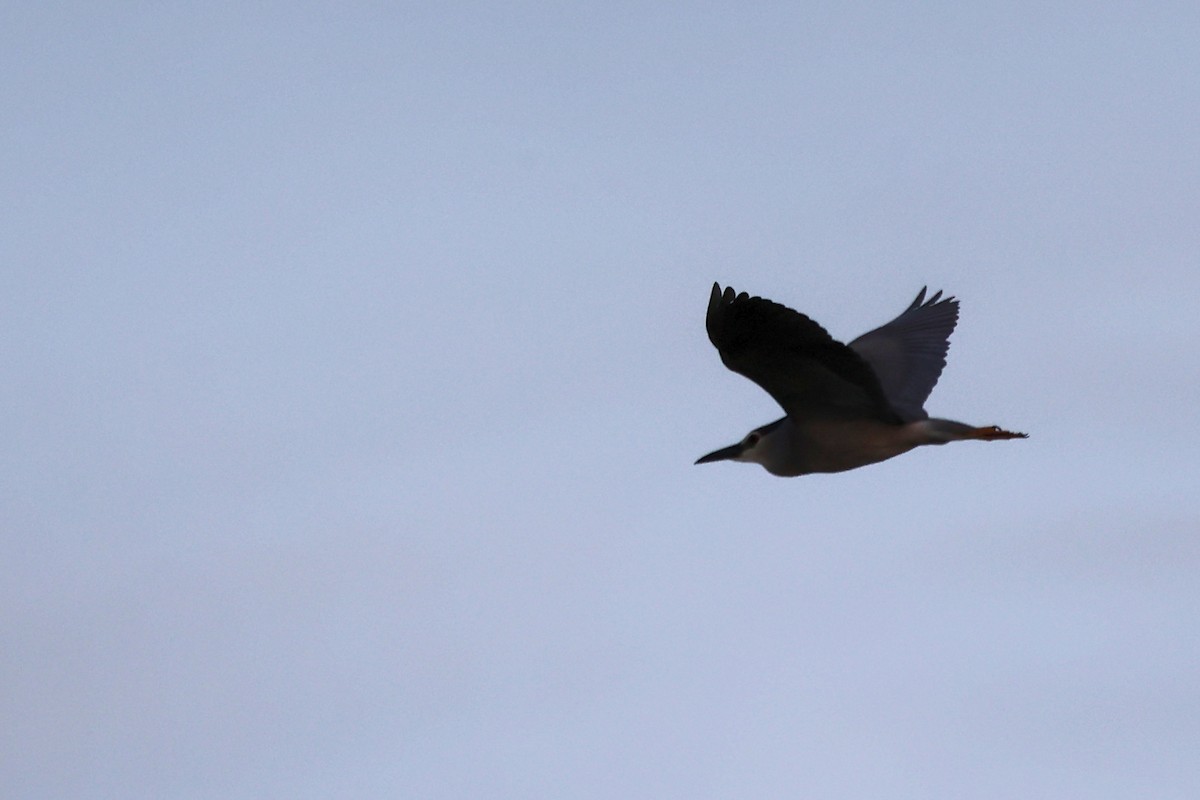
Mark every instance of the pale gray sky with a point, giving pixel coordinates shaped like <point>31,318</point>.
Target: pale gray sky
<point>353,367</point>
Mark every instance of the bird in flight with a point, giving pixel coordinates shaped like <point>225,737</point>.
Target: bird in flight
<point>846,405</point>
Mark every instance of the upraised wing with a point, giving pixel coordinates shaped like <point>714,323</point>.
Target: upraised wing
<point>909,353</point>
<point>793,359</point>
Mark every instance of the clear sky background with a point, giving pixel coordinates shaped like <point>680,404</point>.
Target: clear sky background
<point>353,367</point>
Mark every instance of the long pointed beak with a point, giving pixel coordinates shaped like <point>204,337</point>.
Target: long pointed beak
<point>724,454</point>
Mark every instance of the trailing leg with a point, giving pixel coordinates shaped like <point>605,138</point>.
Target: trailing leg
<point>940,431</point>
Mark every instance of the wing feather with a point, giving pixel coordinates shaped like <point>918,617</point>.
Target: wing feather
<point>794,359</point>
<point>909,353</point>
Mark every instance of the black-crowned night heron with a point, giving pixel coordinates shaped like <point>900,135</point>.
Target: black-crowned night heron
<point>847,405</point>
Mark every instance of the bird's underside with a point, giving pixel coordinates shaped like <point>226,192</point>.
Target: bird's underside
<point>846,405</point>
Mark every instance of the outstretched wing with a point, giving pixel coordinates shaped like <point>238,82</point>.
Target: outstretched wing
<point>909,353</point>
<point>793,359</point>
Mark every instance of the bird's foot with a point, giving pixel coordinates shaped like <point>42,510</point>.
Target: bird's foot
<point>992,433</point>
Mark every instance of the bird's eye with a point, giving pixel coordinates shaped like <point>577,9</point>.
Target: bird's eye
<point>752,440</point>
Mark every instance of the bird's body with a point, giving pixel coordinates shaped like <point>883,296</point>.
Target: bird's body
<point>847,405</point>
<point>830,445</point>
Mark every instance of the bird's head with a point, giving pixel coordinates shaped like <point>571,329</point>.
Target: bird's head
<point>757,447</point>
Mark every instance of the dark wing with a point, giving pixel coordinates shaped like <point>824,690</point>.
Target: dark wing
<point>793,359</point>
<point>908,353</point>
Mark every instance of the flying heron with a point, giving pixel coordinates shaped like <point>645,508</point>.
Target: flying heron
<point>846,405</point>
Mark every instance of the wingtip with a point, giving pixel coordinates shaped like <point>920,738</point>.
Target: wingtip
<point>921,301</point>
